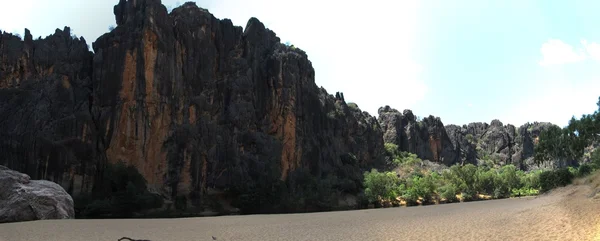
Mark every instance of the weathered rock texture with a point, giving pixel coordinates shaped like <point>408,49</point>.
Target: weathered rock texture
<point>191,101</point>
<point>427,138</point>
<point>472,143</point>
<point>22,199</point>
<point>45,125</point>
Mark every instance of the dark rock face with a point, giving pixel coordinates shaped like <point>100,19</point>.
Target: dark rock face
<point>191,101</point>
<point>45,125</point>
<point>463,143</point>
<point>497,140</point>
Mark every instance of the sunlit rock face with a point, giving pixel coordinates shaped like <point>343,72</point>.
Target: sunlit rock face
<point>451,144</point>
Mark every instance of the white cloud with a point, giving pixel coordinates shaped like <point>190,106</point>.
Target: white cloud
<point>556,52</point>
<point>561,93</point>
<point>556,102</point>
<point>593,49</point>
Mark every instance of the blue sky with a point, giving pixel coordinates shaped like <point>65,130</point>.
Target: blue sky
<point>463,60</point>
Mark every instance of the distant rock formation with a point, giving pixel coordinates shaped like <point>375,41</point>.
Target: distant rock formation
<point>452,144</point>
<point>22,199</point>
<point>427,138</point>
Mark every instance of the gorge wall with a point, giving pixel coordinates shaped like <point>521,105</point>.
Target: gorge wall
<point>194,102</point>
<point>191,101</point>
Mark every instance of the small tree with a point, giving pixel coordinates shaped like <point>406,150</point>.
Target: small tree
<point>381,185</point>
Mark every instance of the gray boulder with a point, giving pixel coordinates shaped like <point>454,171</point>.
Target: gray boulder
<point>22,199</point>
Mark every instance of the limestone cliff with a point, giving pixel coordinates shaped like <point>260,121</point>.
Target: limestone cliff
<point>193,102</point>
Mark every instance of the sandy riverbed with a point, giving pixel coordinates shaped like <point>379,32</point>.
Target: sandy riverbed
<point>564,214</point>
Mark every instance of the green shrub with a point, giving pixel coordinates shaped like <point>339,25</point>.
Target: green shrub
<point>572,170</point>
<point>509,175</point>
<point>422,187</point>
<point>584,169</point>
<point>410,196</point>
<point>564,177</point>
<point>468,180</point>
<point>506,179</point>
<point>448,192</point>
<point>462,177</point>
<point>555,178</point>
<point>499,192</point>
<point>381,185</point>
<point>484,180</point>
<point>531,180</point>
<point>398,158</point>
<point>467,195</point>
<point>595,158</point>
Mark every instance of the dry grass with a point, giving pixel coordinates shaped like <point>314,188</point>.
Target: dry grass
<point>592,181</point>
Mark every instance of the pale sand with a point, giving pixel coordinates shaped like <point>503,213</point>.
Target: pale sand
<point>565,214</point>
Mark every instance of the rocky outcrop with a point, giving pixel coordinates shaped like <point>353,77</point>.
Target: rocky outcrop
<point>464,144</point>
<point>452,144</point>
<point>22,199</point>
<point>190,100</point>
<point>427,138</point>
<point>525,140</point>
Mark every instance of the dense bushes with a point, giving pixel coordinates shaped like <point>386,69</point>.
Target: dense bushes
<point>469,182</point>
<point>595,159</point>
<point>569,143</point>
<point>396,158</point>
<point>555,178</point>
<point>121,193</point>
<point>382,186</point>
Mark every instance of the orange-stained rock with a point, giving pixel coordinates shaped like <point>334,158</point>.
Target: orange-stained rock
<point>191,101</point>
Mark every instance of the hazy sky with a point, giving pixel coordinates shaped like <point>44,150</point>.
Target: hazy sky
<point>462,60</point>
